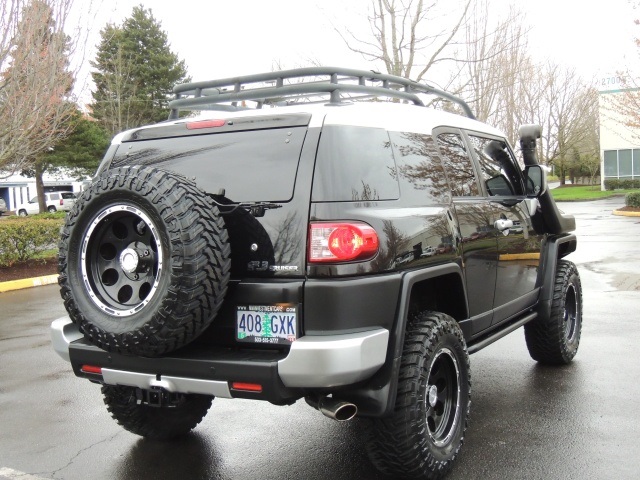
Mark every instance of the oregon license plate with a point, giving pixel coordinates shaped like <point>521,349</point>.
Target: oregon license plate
<point>267,324</point>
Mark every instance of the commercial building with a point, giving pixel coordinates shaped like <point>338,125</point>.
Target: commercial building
<point>619,143</point>
<point>17,189</point>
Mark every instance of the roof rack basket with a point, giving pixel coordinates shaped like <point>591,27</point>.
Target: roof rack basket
<point>301,84</point>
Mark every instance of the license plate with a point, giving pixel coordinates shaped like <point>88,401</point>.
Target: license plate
<point>267,324</point>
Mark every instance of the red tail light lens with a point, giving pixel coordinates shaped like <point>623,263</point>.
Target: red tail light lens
<point>61,201</point>
<point>341,242</point>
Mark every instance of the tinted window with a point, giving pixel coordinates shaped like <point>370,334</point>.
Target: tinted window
<point>353,164</point>
<point>499,169</point>
<point>68,195</point>
<point>458,165</point>
<point>422,177</point>
<point>257,165</point>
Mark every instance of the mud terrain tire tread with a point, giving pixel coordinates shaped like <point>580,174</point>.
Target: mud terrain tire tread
<point>398,444</point>
<point>547,340</point>
<point>156,423</point>
<point>198,261</point>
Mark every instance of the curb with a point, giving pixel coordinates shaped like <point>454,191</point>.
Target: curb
<point>28,283</point>
<point>626,214</point>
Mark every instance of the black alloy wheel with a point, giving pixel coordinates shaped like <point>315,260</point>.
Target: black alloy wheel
<point>423,435</point>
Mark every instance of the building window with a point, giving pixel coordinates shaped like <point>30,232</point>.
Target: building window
<point>624,163</point>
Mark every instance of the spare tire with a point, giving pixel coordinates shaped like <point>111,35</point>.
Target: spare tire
<point>143,261</point>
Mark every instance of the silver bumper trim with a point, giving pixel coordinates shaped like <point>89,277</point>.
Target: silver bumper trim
<point>146,381</point>
<point>333,360</point>
<point>63,332</point>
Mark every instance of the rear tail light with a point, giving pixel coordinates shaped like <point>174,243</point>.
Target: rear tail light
<point>341,242</point>
<point>61,201</point>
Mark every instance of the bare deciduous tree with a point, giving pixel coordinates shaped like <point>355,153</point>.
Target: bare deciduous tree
<point>407,34</point>
<point>34,81</point>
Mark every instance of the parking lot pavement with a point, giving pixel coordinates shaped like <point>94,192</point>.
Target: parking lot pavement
<point>527,421</point>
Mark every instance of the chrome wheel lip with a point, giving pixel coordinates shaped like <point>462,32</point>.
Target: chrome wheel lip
<point>451,424</point>
<point>85,259</point>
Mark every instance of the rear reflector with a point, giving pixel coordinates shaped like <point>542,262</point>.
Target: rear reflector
<point>205,124</point>
<point>247,387</point>
<point>91,369</point>
<point>341,242</point>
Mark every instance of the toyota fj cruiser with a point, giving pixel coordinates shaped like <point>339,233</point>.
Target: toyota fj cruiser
<point>286,239</point>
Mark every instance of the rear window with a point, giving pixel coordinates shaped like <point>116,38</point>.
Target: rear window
<point>250,166</point>
<point>68,196</point>
<point>354,164</point>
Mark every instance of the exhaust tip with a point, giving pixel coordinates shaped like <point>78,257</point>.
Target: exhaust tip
<point>334,409</point>
<point>345,411</point>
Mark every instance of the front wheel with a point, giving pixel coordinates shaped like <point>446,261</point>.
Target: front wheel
<point>555,340</point>
<point>423,436</point>
<point>177,416</point>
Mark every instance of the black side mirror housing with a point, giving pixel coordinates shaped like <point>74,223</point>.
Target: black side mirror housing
<point>536,179</point>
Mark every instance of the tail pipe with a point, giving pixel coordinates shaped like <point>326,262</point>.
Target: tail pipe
<point>333,408</point>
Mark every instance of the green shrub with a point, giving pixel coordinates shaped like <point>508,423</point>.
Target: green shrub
<point>611,184</point>
<point>621,184</point>
<point>632,199</point>
<point>22,238</point>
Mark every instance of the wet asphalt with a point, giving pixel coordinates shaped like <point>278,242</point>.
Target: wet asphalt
<point>581,421</point>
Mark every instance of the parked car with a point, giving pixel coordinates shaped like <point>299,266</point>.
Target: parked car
<point>272,254</point>
<point>55,201</point>
<point>3,206</point>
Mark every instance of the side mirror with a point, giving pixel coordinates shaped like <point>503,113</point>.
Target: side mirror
<point>536,179</point>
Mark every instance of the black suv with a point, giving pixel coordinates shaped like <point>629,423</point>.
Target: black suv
<point>285,239</point>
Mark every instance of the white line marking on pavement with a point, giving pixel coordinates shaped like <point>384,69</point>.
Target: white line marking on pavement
<point>8,473</point>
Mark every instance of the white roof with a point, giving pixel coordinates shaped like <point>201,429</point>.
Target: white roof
<point>387,115</point>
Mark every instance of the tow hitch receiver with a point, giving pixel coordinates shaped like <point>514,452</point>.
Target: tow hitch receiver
<point>158,397</point>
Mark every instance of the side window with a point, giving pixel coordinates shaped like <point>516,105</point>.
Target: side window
<point>354,164</point>
<point>499,169</point>
<point>421,174</point>
<point>458,166</point>
<point>54,196</point>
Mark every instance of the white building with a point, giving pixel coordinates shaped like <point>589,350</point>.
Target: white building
<point>619,144</point>
<point>17,189</point>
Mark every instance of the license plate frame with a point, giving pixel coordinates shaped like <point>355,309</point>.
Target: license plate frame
<point>266,324</point>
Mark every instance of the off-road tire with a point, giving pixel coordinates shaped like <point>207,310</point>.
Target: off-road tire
<point>151,216</point>
<point>555,340</point>
<point>156,423</point>
<point>423,436</point>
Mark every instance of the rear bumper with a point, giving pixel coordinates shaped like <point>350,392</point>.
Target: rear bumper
<point>323,361</point>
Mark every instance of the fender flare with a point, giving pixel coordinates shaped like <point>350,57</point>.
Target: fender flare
<point>555,248</point>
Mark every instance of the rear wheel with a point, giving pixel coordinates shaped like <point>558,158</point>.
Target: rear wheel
<point>555,340</point>
<point>173,415</point>
<point>51,209</point>
<point>423,436</point>
<point>22,213</point>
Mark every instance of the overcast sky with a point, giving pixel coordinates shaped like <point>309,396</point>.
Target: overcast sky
<point>227,38</point>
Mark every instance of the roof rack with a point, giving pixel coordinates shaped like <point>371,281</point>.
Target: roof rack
<point>305,84</point>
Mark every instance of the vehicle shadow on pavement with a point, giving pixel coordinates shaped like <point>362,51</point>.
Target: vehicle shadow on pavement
<point>338,451</point>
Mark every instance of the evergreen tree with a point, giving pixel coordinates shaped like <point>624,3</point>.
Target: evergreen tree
<point>81,152</point>
<point>135,73</point>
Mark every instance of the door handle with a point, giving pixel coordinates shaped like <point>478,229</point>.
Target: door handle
<point>503,224</point>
